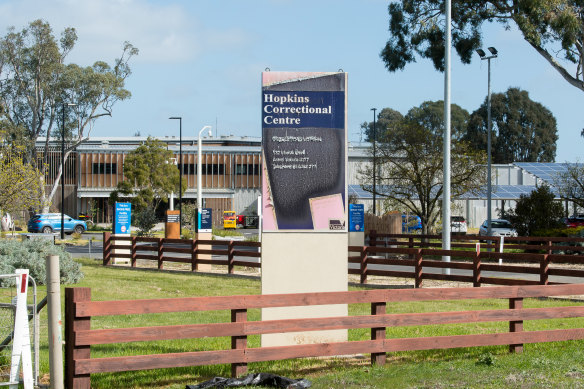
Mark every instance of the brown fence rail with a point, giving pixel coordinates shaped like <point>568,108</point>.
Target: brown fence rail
<point>395,255</point>
<point>417,264</point>
<point>528,243</point>
<point>163,250</point>
<point>79,310</point>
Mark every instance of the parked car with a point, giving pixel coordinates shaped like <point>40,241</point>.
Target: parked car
<point>499,227</point>
<point>51,222</point>
<point>411,224</point>
<point>458,225</point>
<point>572,222</point>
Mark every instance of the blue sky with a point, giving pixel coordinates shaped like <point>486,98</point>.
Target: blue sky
<point>202,60</point>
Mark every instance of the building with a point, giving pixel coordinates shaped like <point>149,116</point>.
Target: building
<point>231,176</point>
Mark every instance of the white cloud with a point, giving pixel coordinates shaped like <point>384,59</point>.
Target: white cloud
<point>163,32</point>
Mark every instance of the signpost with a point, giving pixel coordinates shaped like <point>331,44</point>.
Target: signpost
<point>356,217</point>
<point>304,195</point>
<point>122,221</point>
<point>205,220</point>
<point>123,217</point>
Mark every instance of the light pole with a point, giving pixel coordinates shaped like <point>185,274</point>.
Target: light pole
<point>63,171</point>
<point>200,171</point>
<point>180,174</point>
<point>483,55</point>
<point>374,160</point>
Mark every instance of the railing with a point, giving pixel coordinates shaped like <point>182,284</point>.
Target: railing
<point>405,256</point>
<point>527,243</point>
<point>80,309</point>
<point>164,250</point>
<point>414,263</point>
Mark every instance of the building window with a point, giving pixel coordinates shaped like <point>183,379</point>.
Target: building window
<point>249,169</point>
<point>104,168</point>
<point>208,168</point>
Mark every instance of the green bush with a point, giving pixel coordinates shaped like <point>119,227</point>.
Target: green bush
<point>145,221</point>
<point>31,255</point>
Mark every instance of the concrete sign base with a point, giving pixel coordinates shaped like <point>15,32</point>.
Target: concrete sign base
<point>300,263</point>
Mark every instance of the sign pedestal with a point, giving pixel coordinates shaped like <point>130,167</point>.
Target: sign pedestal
<point>204,231</point>
<point>304,196</point>
<point>300,263</point>
<point>172,225</point>
<point>122,227</point>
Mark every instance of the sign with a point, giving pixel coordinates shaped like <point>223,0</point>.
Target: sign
<point>304,150</point>
<point>173,217</point>
<point>123,216</point>
<point>205,220</point>
<point>356,217</point>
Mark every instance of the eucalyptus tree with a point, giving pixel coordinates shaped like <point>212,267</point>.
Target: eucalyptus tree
<point>410,160</point>
<point>36,83</point>
<point>522,130</point>
<point>554,28</point>
<point>150,176</point>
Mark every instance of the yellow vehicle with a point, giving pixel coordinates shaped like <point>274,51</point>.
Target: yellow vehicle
<point>229,220</point>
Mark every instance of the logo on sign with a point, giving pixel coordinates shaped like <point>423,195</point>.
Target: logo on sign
<point>336,224</point>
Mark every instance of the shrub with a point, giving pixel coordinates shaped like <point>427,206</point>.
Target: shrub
<point>536,212</point>
<point>31,255</point>
<point>145,221</point>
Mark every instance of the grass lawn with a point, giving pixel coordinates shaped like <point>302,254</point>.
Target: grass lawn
<point>558,365</point>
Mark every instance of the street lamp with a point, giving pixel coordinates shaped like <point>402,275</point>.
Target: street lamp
<point>374,159</point>
<point>63,171</point>
<point>200,171</point>
<point>483,55</point>
<point>180,169</point>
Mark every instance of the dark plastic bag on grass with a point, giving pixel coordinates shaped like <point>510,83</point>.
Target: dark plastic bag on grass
<point>258,379</point>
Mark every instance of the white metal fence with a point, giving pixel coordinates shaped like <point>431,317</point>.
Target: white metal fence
<point>16,346</point>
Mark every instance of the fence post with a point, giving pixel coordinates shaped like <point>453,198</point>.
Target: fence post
<point>194,264</point>
<point>476,268</point>
<point>418,276</point>
<point>516,325</point>
<point>230,257</point>
<point>378,333</point>
<point>55,325</point>
<point>544,269</point>
<point>107,247</point>
<point>363,266</point>
<point>411,246</point>
<point>238,342</point>
<point>160,253</point>
<point>72,325</point>
<point>133,251</point>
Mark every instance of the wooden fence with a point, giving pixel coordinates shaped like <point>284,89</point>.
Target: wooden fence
<point>161,250</point>
<point>527,243</point>
<point>416,256</point>
<point>80,309</point>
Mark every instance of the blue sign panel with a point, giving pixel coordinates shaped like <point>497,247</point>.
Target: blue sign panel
<point>123,217</point>
<point>302,109</point>
<point>356,217</point>
<point>205,220</point>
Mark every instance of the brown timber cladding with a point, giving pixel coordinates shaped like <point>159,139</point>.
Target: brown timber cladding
<point>79,309</point>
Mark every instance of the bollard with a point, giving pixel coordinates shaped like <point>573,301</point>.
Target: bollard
<point>55,327</point>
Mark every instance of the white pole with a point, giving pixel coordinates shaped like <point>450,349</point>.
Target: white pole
<point>446,165</point>
<point>55,330</point>
<point>200,171</point>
